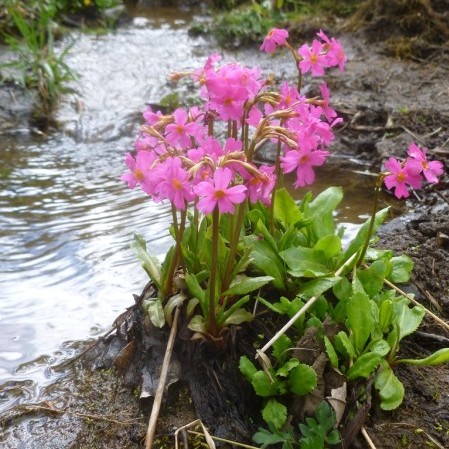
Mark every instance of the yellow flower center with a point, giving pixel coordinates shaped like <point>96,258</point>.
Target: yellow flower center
<point>219,194</point>
<point>177,184</point>
<point>139,175</point>
<point>400,176</point>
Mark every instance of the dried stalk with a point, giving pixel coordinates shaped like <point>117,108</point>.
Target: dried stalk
<point>161,385</point>
<point>367,438</point>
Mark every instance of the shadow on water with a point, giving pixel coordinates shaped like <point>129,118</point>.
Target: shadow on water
<point>66,221</point>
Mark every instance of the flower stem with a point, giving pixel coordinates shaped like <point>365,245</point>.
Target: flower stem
<point>377,187</point>
<point>277,172</point>
<point>177,256</point>
<point>212,319</point>
<point>297,61</point>
<point>235,237</point>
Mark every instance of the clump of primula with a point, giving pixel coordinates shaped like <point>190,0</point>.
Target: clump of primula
<point>202,161</point>
<point>410,173</point>
<point>178,157</point>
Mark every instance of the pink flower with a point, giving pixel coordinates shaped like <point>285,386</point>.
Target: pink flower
<point>335,54</point>
<point>145,143</point>
<point>140,170</point>
<point>274,38</point>
<point>329,113</point>
<point>430,169</point>
<point>401,176</point>
<point>226,99</point>
<point>217,193</point>
<point>250,79</point>
<point>232,145</point>
<point>174,183</point>
<point>150,116</point>
<point>180,131</point>
<point>313,58</point>
<point>254,116</point>
<point>260,187</point>
<point>302,160</point>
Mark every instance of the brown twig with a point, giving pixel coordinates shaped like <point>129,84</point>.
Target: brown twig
<point>161,385</point>
<point>367,438</point>
<point>431,299</point>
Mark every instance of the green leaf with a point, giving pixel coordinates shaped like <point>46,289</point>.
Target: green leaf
<point>244,284</point>
<point>149,263</point>
<point>155,311</point>
<point>333,357</point>
<point>238,316</point>
<point>195,288</point>
<point>263,386</point>
<point>305,262</point>
<point>173,302</point>
<point>402,267</point>
<point>364,365</point>
<point>373,277</point>
<point>333,438</point>
<point>302,379</point>
<point>312,441</point>
<point>222,316</point>
<point>285,208</point>
<point>437,358</point>
<point>191,305</point>
<point>267,438</point>
<point>329,244</point>
<point>281,347</point>
<point>380,347</point>
<point>390,388</point>
<point>360,239</point>
<point>198,324</point>
<point>407,319</point>
<point>360,320</point>
<point>386,314</point>
<point>321,210</point>
<point>343,289</point>
<point>268,261</point>
<point>344,345</point>
<point>316,287</point>
<point>326,201</point>
<point>274,413</point>
<point>287,367</point>
<point>247,368</point>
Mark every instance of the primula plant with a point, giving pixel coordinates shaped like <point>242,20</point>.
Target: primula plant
<point>243,246</point>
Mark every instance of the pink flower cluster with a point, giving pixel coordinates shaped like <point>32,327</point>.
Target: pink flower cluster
<point>410,174</point>
<point>177,157</point>
<point>176,160</point>
<point>322,54</point>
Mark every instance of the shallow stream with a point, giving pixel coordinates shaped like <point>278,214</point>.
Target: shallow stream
<point>66,220</point>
